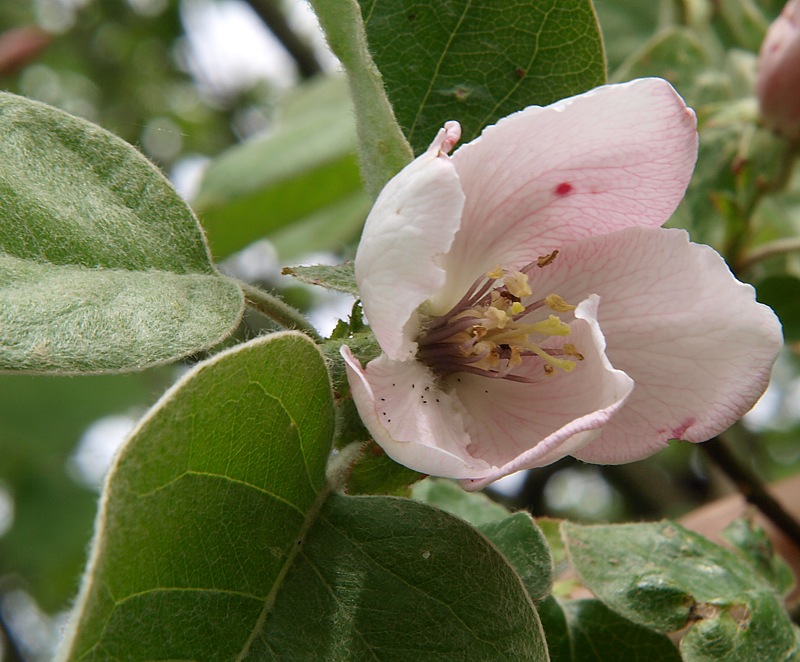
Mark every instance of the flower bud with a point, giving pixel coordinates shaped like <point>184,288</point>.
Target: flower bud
<point>778,82</point>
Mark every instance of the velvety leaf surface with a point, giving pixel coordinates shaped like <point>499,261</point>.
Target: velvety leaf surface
<point>600,635</point>
<point>474,507</point>
<point>219,539</point>
<point>525,548</point>
<point>752,542</point>
<point>304,165</point>
<point>664,577</point>
<point>205,505</point>
<point>338,277</point>
<point>385,578</point>
<point>104,267</point>
<point>478,61</point>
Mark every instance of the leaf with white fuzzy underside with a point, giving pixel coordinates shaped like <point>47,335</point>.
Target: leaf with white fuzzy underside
<point>103,267</point>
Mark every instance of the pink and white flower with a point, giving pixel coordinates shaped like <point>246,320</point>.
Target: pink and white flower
<point>528,305</point>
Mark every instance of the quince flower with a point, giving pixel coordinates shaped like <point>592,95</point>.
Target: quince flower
<point>528,305</point>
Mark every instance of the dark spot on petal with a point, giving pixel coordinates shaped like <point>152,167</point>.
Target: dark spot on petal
<point>412,386</point>
<point>383,399</point>
<point>564,188</point>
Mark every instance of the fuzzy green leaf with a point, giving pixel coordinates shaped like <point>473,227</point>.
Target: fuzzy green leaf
<point>664,577</point>
<point>339,277</point>
<point>103,265</point>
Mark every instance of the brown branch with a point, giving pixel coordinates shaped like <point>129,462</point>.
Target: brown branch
<point>751,487</point>
<point>275,20</point>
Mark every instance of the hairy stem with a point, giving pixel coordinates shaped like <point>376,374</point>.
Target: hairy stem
<point>277,310</point>
<point>778,247</point>
<point>383,149</point>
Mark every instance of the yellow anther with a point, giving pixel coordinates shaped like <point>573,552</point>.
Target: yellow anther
<point>497,318</point>
<point>548,369</point>
<point>570,350</point>
<point>552,326</point>
<point>515,359</point>
<point>517,284</point>
<point>517,308</point>
<point>544,260</point>
<point>495,273</point>
<point>555,302</point>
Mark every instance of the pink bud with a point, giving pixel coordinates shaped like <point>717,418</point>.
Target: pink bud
<point>778,82</point>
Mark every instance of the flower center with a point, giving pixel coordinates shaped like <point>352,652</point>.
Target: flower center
<point>485,334</point>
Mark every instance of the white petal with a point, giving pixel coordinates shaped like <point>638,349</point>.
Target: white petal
<point>618,156</point>
<point>412,421</point>
<point>411,225</point>
<point>519,426</point>
<point>695,341</point>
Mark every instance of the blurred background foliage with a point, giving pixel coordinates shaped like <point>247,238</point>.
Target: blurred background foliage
<point>241,105</point>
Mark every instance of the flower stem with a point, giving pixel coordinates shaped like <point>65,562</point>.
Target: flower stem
<point>277,310</point>
<point>778,247</point>
<point>383,149</point>
<point>751,487</point>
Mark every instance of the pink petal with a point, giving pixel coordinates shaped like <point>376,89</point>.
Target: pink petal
<point>412,223</point>
<point>693,338</point>
<point>518,426</point>
<point>618,156</point>
<point>412,421</point>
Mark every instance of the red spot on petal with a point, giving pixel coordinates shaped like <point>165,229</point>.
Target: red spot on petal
<point>564,188</point>
<point>678,432</point>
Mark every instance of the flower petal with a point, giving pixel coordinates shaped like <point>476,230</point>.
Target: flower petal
<point>519,426</point>
<point>618,156</point>
<point>412,223</point>
<point>412,421</point>
<point>697,344</point>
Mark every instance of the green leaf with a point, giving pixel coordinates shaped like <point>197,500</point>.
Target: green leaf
<point>104,267</point>
<point>525,548</point>
<point>376,473</point>
<point>339,277</point>
<point>600,635</point>
<point>664,577</point>
<point>219,538</point>
<point>392,579</point>
<point>305,165</point>
<point>474,507</point>
<point>556,630</point>
<point>755,546</point>
<point>478,61</point>
<point>204,508</point>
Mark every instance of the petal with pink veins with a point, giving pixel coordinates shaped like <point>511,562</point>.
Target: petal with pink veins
<point>411,225</point>
<point>615,157</point>
<point>693,338</point>
<point>517,426</point>
<point>415,424</point>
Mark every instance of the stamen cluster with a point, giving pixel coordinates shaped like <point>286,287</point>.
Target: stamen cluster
<point>485,332</point>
